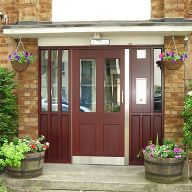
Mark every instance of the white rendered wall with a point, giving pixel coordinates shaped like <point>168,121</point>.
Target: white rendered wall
<point>99,10</point>
<point>85,41</point>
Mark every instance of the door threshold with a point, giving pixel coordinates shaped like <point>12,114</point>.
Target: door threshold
<point>98,160</point>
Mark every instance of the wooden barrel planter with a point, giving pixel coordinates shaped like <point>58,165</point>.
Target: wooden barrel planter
<point>163,170</point>
<point>31,166</point>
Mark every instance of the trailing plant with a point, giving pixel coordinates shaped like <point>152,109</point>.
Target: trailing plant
<point>173,55</point>
<point>187,114</point>
<point>22,57</point>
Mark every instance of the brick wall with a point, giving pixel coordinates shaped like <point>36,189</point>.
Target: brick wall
<point>157,9</point>
<point>188,9</point>
<point>174,94</point>
<point>171,9</point>
<point>35,10</point>
<point>45,10</point>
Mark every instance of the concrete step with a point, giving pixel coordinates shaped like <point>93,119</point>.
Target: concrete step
<point>87,178</point>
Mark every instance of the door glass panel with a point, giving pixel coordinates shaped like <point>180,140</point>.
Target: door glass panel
<point>54,80</point>
<point>111,85</point>
<point>44,80</point>
<point>157,82</point>
<point>65,85</point>
<point>88,85</point>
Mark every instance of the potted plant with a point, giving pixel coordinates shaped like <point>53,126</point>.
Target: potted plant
<point>163,163</point>
<point>21,60</point>
<point>172,59</point>
<point>24,158</point>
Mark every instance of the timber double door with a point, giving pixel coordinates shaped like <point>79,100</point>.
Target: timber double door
<point>98,103</point>
<point>103,103</point>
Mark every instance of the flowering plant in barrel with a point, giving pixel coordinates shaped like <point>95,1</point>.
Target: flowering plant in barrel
<point>163,163</point>
<point>169,149</point>
<point>15,151</point>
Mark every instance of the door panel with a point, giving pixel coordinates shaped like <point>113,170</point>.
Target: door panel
<point>98,85</point>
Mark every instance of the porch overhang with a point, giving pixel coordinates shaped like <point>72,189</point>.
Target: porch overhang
<point>116,28</point>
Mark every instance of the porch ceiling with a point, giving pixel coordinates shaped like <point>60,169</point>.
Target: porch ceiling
<point>84,29</point>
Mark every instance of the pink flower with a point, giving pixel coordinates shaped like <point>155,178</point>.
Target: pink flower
<point>150,154</point>
<point>177,156</point>
<point>143,151</point>
<point>161,55</point>
<point>176,150</point>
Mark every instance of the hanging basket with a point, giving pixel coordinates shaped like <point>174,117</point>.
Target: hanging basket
<point>19,66</point>
<point>172,66</point>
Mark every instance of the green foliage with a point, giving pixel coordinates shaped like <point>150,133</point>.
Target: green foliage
<point>169,149</point>
<point>13,153</point>
<point>22,57</point>
<point>187,114</point>
<point>3,188</point>
<point>8,106</point>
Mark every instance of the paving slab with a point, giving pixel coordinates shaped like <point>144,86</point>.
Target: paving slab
<point>81,178</point>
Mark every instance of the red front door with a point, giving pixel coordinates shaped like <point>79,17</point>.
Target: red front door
<point>98,103</point>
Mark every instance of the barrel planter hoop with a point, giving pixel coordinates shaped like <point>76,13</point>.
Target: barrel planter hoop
<point>163,170</point>
<point>31,166</point>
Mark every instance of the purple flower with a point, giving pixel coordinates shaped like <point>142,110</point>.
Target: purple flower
<point>172,54</point>
<point>167,54</point>
<point>17,57</point>
<point>181,58</point>
<point>173,60</point>
<point>185,55</point>
<point>15,53</point>
<point>9,57</point>
<point>28,61</point>
<point>31,54</point>
<point>26,54</point>
<point>161,58</point>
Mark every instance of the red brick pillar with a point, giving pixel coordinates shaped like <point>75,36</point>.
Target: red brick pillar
<point>28,94</point>
<point>174,95</point>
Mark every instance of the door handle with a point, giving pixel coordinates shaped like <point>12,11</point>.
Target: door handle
<point>122,97</point>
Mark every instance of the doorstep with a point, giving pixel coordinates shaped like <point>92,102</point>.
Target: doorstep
<point>73,177</point>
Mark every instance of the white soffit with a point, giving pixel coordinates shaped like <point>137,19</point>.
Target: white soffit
<point>37,32</point>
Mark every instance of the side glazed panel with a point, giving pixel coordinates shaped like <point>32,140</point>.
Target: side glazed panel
<point>146,98</point>
<point>55,103</point>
